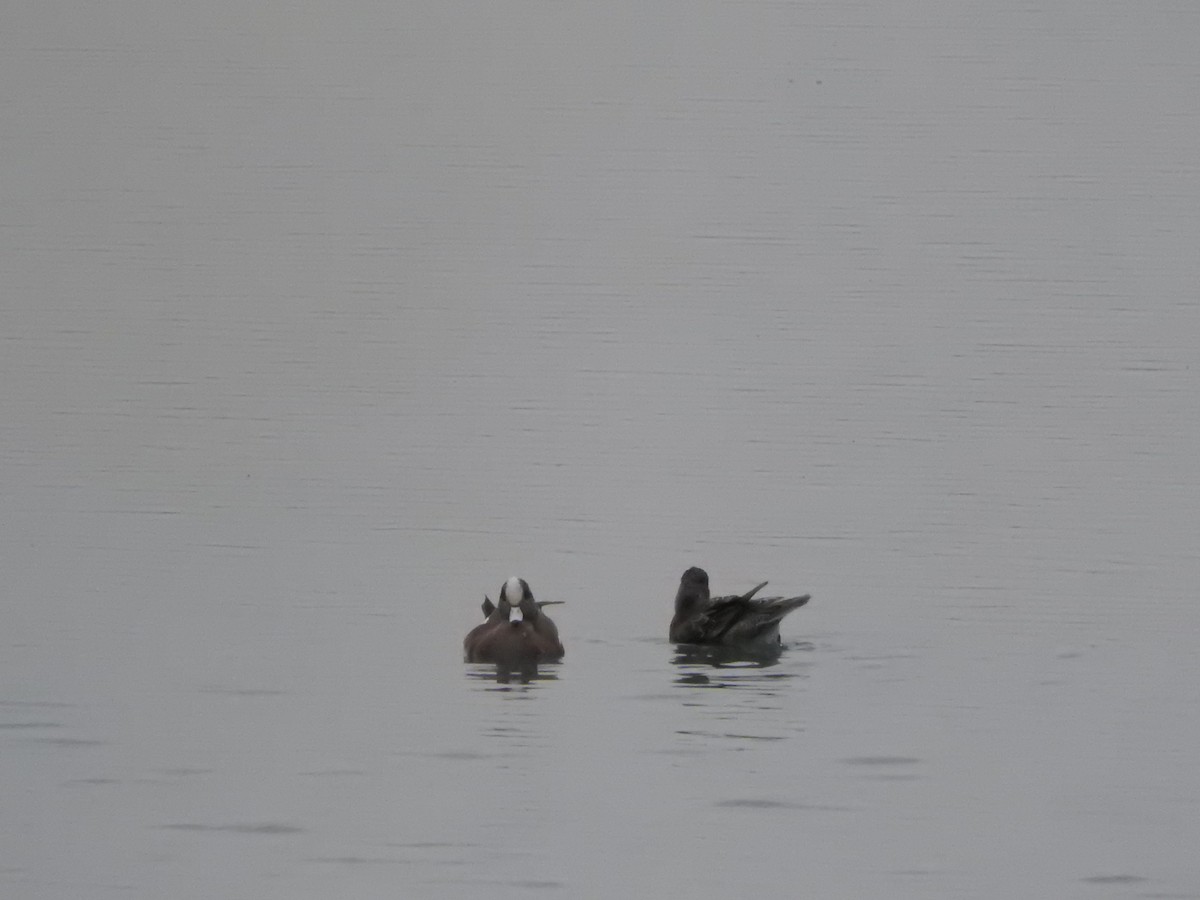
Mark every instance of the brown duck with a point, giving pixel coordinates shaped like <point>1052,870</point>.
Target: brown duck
<point>514,642</point>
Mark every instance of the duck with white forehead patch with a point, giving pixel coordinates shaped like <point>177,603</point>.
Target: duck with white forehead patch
<point>528,639</point>
<point>518,587</point>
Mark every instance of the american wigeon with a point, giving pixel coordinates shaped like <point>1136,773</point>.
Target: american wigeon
<point>735,620</point>
<point>519,642</point>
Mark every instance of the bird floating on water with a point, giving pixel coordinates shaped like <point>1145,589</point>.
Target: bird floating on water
<point>519,642</point>
<point>733,620</point>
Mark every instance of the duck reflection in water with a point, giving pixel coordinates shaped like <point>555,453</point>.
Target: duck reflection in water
<point>761,671</point>
<point>514,645</point>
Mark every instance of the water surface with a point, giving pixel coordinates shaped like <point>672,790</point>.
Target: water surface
<point>317,326</point>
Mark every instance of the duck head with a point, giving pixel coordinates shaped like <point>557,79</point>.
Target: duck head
<point>693,590</point>
<point>516,595</point>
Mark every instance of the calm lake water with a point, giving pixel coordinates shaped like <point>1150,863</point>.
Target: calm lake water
<point>318,323</point>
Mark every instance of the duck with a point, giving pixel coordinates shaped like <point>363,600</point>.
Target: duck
<point>514,642</point>
<point>734,620</point>
<point>533,611</point>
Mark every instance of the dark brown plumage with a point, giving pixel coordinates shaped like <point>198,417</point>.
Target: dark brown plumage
<point>734,620</point>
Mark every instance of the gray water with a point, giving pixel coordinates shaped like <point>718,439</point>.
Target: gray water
<point>319,322</point>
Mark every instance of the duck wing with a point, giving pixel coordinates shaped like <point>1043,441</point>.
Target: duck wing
<point>738,619</point>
